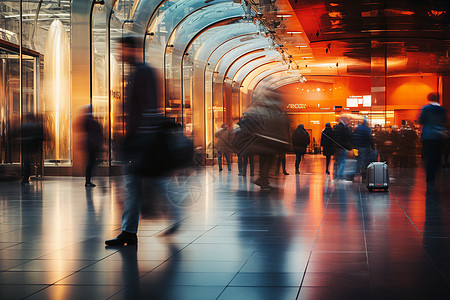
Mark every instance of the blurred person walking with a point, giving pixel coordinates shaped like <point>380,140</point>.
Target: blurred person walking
<point>327,144</point>
<point>342,137</point>
<point>300,141</point>
<point>433,118</point>
<point>94,139</point>
<point>32,136</point>
<point>224,146</point>
<point>264,132</point>
<point>395,138</point>
<point>281,161</point>
<point>141,104</point>
<point>363,141</point>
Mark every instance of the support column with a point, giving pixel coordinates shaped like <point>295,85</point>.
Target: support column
<point>81,75</point>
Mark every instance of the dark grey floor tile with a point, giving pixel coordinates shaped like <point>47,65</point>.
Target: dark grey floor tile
<point>259,293</point>
<point>13,292</point>
<point>334,293</point>
<point>267,279</point>
<point>75,292</point>
<point>190,279</point>
<point>143,292</point>
<point>28,277</point>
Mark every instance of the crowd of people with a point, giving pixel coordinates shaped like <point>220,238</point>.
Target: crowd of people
<point>351,142</point>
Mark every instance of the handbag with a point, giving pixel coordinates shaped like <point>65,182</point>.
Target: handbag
<point>161,151</point>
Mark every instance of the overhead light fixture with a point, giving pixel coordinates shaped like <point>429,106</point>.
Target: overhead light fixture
<point>302,46</point>
<point>294,32</point>
<point>284,16</point>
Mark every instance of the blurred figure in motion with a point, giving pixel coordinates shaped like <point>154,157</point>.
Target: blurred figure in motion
<point>395,140</point>
<point>342,137</point>
<point>268,125</point>
<point>447,149</point>
<point>141,105</point>
<point>363,141</point>
<point>408,147</point>
<point>244,158</point>
<point>433,118</point>
<point>223,145</point>
<point>281,161</point>
<point>300,141</point>
<point>94,139</point>
<point>327,144</point>
<point>32,136</point>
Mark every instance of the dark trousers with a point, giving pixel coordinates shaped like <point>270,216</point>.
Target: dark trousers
<point>298,159</point>
<point>433,152</point>
<point>227,157</point>
<point>281,161</point>
<point>247,159</point>
<point>327,162</point>
<point>92,158</point>
<point>363,161</point>
<point>265,162</point>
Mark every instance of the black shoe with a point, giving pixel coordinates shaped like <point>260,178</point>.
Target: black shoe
<point>327,172</point>
<point>285,173</point>
<point>297,171</point>
<point>122,239</point>
<point>89,184</point>
<point>220,170</point>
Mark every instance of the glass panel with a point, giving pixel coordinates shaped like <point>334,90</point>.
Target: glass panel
<point>56,95</point>
<point>117,27</point>
<point>181,36</point>
<point>199,51</point>
<point>9,21</point>
<point>9,107</point>
<point>99,80</point>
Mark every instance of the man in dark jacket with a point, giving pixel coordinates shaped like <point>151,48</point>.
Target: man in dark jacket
<point>300,140</point>
<point>327,144</point>
<point>433,118</point>
<point>94,142</point>
<point>343,137</point>
<point>141,105</point>
<point>363,141</point>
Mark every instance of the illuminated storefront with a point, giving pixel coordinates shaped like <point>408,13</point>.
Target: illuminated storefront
<point>58,55</point>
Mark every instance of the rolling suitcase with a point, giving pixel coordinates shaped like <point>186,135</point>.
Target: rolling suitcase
<point>377,176</point>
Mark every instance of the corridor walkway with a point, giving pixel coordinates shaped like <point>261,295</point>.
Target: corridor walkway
<point>310,239</point>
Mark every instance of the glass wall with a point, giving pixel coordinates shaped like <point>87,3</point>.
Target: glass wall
<point>42,28</point>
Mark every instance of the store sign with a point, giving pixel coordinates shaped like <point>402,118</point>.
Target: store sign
<point>355,101</point>
<point>296,106</point>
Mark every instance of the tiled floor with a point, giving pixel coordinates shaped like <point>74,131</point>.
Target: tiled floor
<point>312,238</point>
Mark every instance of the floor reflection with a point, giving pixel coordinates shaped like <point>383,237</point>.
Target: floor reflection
<point>310,238</point>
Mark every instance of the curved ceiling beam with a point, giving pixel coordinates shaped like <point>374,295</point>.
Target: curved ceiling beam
<point>255,81</point>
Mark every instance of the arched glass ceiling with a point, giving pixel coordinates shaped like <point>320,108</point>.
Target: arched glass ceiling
<point>182,37</point>
<point>147,11</point>
<point>269,54</point>
<point>242,61</point>
<point>239,52</point>
<point>227,33</point>
<point>200,20</point>
<point>254,68</point>
<point>255,81</point>
<point>274,79</point>
<point>230,56</point>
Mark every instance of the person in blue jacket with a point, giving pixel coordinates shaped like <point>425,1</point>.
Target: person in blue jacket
<point>363,141</point>
<point>433,118</point>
